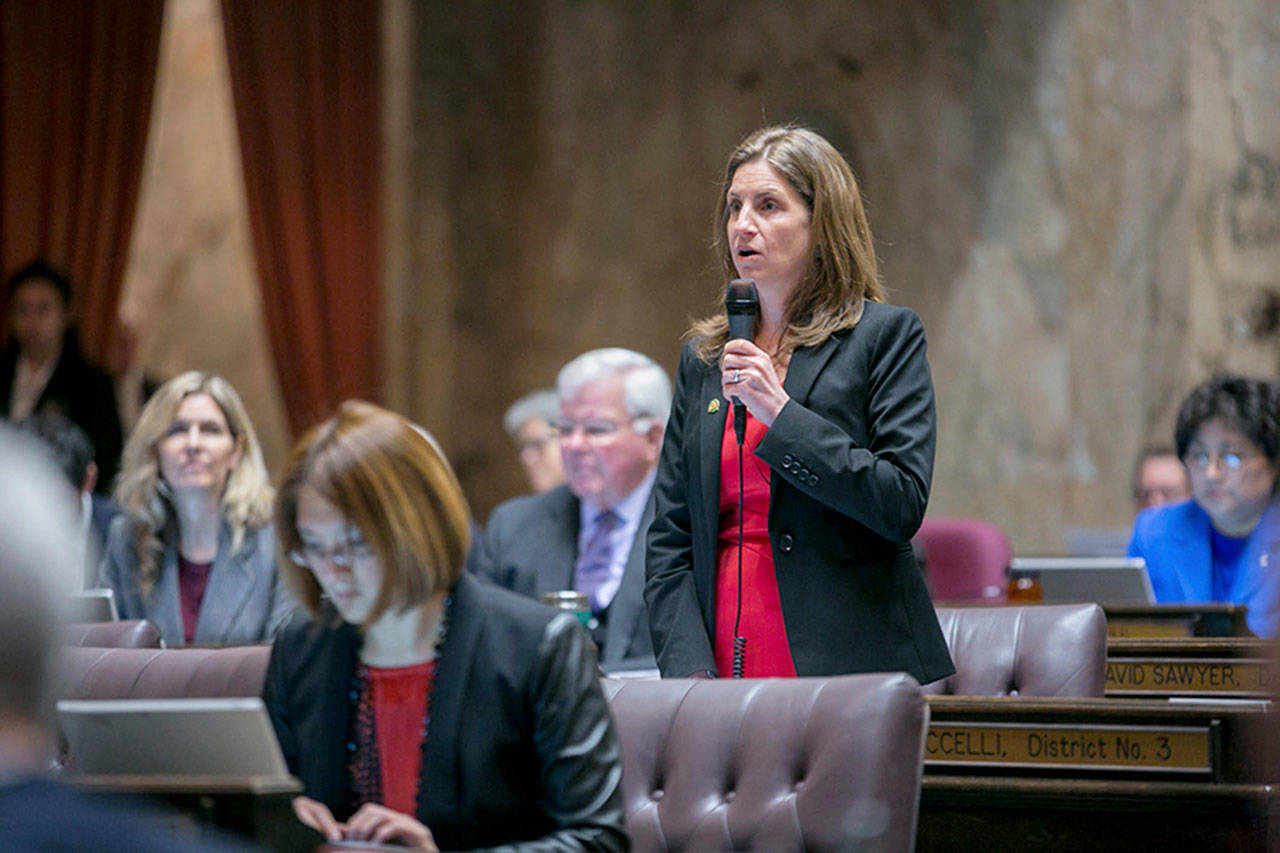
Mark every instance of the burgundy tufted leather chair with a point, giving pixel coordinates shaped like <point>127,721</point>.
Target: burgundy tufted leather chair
<point>966,559</point>
<point>125,634</point>
<point>771,764</point>
<point>91,673</point>
<point>1052,650</point>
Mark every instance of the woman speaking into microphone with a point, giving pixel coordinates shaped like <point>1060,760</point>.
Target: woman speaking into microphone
<point>797,553</point>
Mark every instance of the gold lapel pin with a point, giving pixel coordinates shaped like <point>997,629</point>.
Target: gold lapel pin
<point>713,406</point>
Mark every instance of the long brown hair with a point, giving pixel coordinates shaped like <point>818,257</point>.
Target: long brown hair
<point>393,482</point>
<point>841,271</point>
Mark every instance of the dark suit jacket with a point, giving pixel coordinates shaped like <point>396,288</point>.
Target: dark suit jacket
<point>852,457</point>
<point>38,814</point>
<point>520,745</point>
<point>530,546</point>
<point>82,392</point>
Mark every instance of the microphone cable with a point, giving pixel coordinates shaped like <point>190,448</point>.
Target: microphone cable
<point>739,666</point>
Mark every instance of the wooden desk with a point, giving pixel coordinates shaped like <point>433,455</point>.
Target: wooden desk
<point>1165,621</point>
<point>1219,667</point>
<point>1012,773</point>
<point>1138,739</point>
<point>254,807</point>
<point>995,814</point>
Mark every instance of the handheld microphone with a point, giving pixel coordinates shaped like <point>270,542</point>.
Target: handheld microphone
<point>741,305</point>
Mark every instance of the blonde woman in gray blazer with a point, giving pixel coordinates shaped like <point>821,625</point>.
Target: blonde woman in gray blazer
<point>194,550</point>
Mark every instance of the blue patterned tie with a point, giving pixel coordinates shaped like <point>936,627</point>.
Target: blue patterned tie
<point>592,571</point>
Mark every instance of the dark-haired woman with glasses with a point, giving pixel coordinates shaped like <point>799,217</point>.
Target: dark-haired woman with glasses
<point>418,705</point>
<point>1224,544</point>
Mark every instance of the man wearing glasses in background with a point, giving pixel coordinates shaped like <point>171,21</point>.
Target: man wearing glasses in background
<point>588,535</point>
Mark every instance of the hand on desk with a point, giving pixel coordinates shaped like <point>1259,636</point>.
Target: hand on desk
<point>372,822</point>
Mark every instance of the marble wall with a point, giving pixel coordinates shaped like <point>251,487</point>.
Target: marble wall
<point>1079,198</point>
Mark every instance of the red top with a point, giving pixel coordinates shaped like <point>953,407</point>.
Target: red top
<point>399,696</point>
<point>193,579</point>
<point>767,652</point>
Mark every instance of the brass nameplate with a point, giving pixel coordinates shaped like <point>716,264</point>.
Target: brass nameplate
<point>1150,629</point>
<point>1189,676</point>
<point>1151,748</point>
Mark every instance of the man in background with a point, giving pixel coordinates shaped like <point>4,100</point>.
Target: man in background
<point>589,535</point>
<point>70,450</point>
<point>528,422</point>
<point>1160,478</point>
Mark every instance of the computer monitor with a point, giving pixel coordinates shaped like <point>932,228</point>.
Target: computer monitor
<point>1107,580</point>
<point>201,737</point>
<point>93,605</point>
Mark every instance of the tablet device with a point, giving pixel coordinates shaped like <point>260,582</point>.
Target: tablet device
<point>93,605</point>
<point>202,737</point>
<point>1109,580</point>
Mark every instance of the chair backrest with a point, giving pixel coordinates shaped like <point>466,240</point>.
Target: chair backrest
<point>94,673</point>
<point>966,559</point>
<point>771,764</point>
<point>125,634</point>
<point>1052,650</point>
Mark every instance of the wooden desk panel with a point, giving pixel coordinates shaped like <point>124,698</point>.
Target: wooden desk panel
<point>254,807</point>
<point>1206,667</point>
<point>1176,620</point>
<point>1100,738</point>
<point>995,814</point>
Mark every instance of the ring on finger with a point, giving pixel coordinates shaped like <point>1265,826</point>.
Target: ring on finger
<point>737,375</point>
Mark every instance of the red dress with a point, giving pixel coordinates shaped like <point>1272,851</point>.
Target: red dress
<point>767,651</point>
<point>399,699</point>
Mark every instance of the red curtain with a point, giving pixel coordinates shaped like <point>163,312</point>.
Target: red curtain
<point>76,80</point>
<point>306,80</point>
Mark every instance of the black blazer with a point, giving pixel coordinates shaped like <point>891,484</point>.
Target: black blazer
<point>520,746</point>
<point>530,546</point>
<point>82,392</point>
<point>852,457</point>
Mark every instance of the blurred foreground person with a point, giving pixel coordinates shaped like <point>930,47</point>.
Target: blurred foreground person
<point>417,704</point>
<point>37,567</point>
<point>194,551</point>
<point>1224,543</point>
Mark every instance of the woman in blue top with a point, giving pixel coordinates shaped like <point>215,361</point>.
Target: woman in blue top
<point>1224,544</point>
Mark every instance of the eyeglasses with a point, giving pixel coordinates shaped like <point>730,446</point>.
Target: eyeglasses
<point>1231,460</point>
<point>536,444</point>
<point>592,430</point>
<point>343,554</point>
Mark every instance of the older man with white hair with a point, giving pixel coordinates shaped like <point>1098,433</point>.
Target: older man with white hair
<point>588,535</point>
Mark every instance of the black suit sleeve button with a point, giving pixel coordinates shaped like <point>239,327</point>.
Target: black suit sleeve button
<point>813,479</point>
<point>786,461</point>
<point>786,543</point>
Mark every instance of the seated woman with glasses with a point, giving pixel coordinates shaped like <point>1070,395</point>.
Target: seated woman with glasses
<point>418,705</point>
<point>194,549</point>
<point>1223,544</point>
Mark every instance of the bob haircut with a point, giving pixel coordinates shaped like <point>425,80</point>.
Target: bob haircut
<point>1249,406</point>
<point>392,481</point>
<point>142,492</point>
<point>841,271</point>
